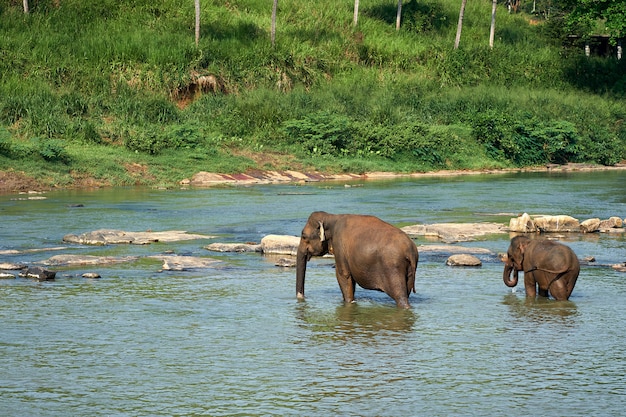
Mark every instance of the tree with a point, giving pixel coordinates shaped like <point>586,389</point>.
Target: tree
<point>399,15</point>
<point>356,12</point>
<point>25,6</point>
<point>459,25</point>
<point>197,4</point>
<point>611,12</point>
<point>492,31</point>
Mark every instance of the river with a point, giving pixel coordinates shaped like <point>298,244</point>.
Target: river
<point>233,339</point>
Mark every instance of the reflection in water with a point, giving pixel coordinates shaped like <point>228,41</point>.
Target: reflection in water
<point>540,309</point>
<point>352,321</point>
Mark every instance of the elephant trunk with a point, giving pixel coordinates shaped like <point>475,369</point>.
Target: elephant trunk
<point>508,268</point>
<point>302,258</point>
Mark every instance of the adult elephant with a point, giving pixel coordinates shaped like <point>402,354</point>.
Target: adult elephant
<point>549,265</point>
<point>368,251</point>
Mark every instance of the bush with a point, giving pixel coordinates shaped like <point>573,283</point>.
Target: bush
<point>52,150</point>
<point>320,134</point>
<point>603,147</point>
<point>145,141</point>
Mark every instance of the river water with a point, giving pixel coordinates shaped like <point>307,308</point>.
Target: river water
<point>233,339</point>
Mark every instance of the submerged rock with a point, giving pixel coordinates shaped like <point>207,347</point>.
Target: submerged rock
<point>38,273</point>
<point>183,263</point>
<point>108,236</point>
<point>87,260</point>
<point>233,247</point>
<point>285,263</point>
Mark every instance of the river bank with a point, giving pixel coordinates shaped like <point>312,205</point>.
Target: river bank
<point>19,182</point>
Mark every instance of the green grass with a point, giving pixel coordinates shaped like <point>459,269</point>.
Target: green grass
<point>98,89</point>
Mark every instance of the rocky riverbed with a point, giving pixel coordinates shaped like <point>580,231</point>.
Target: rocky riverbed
<point>446,239</point>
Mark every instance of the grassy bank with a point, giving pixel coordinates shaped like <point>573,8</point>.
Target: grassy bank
<point>117,92</point>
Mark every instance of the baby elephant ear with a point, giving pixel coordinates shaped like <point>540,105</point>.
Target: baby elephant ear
<point>322,236</point>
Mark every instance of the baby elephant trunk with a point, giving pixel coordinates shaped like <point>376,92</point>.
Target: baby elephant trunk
<point>508,268</point>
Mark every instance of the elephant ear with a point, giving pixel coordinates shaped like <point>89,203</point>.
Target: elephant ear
<point>522,246</point>
<point>322,234</point>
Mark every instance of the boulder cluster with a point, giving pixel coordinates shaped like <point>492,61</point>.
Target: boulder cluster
<point>548,224</point>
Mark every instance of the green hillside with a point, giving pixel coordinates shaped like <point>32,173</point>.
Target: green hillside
<point>116,91</point>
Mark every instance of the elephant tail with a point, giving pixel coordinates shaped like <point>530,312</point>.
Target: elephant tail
<point>410,275</point>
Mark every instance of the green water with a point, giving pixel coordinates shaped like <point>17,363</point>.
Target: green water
<point>233,340</point>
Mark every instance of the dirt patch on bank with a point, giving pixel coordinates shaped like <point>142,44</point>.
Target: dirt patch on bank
<point>11,181</point>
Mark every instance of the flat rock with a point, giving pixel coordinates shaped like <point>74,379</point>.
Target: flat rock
<point>207,179</point>
<point>108,236</point>
<point>455,232</point>
<point>463,259</point>
<point>11,267</point>
<point>453,249</point>
<point>560,223</point>
<point>270,244</point>
<point>4,275</point>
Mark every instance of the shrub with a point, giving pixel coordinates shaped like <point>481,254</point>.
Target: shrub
<point>52,150</point>
<point>320,134</point>
<point>603,147</point>
<point>144,140</point>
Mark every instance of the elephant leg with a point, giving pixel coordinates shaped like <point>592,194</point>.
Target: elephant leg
<point>346,284</point>
<point>563,286</point>
<point>530,285</point>
<point>402,299</point>
<point>398,290</point>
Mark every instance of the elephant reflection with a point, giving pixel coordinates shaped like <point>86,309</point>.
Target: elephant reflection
<point>357,322</point>
<point>541,310</point>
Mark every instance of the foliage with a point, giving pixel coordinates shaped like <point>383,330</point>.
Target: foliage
<point>52,150</point>
<point>102,85</point>
<point>612,13</point>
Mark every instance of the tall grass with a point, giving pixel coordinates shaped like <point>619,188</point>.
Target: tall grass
<point>107,79</point>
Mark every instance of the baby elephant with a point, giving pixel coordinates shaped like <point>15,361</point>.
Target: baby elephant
<point>550,265</point>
